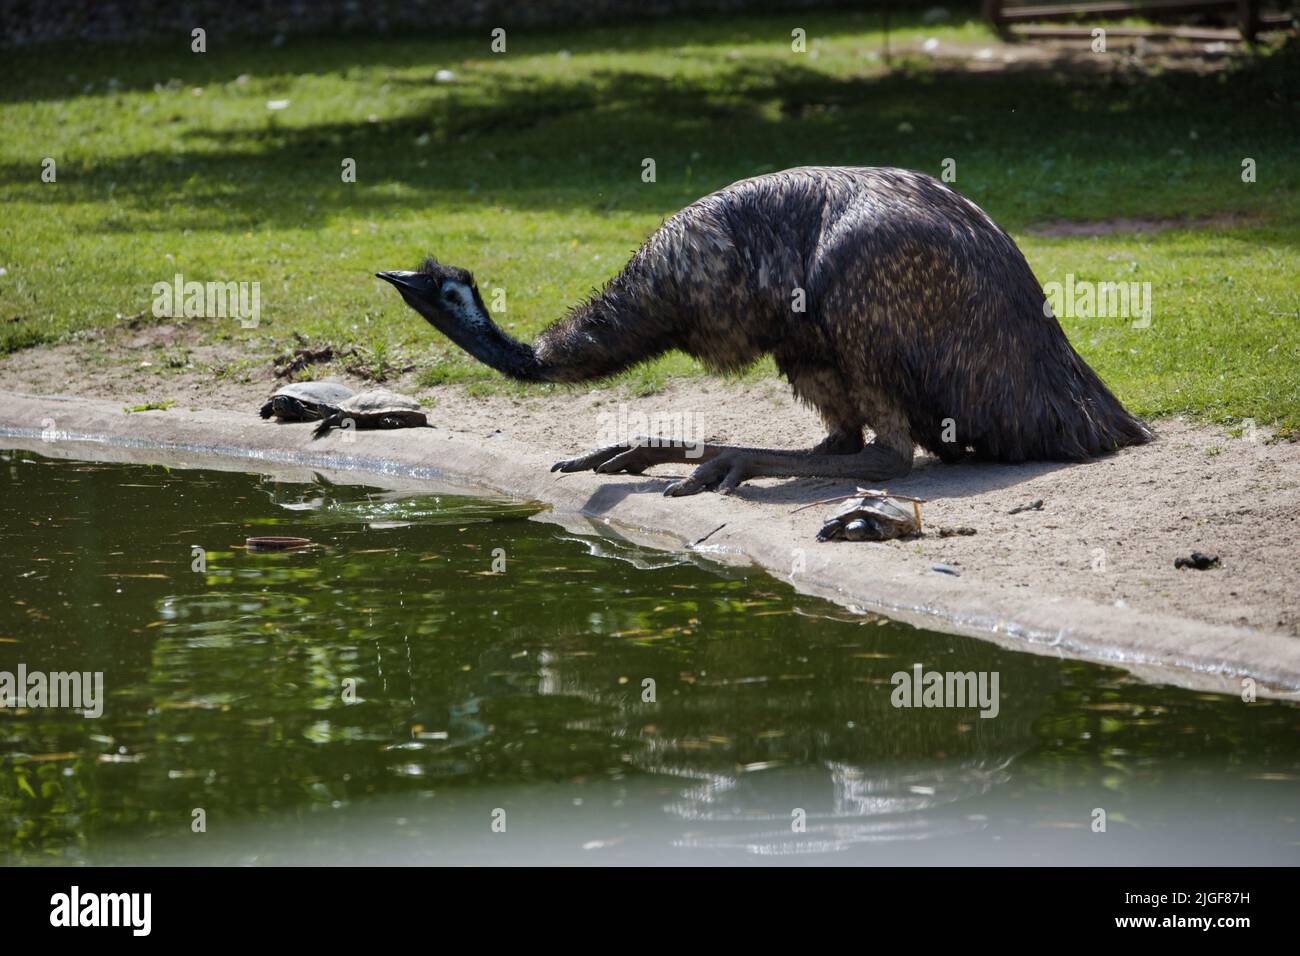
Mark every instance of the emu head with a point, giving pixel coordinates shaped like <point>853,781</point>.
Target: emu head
<point>445,296</point>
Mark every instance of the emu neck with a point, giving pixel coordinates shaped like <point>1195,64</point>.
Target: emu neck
<point>600,338</point>
<point>482,338</point>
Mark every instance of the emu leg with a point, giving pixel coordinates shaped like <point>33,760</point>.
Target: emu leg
<point>725,471</point>
<point>636,456</point>
<point>846,440</point>
<point>724,467</point>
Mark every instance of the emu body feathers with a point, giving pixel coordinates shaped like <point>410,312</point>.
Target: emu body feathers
<point>887,299</point>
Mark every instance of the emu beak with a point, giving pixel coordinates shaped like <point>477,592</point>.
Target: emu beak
<point>421,285</point>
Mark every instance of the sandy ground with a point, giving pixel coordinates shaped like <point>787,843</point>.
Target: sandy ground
<point>1107,532</point>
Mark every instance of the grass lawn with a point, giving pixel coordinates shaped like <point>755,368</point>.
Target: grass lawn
<point>526,168</point>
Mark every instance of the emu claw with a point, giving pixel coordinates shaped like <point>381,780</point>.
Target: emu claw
<point>608,461</point>
<point>722,474</point>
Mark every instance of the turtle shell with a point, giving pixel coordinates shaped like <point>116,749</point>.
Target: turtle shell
<point>306,401</point>
<point>870,519</point>
<point>378,401</point>
<point>377,408</point>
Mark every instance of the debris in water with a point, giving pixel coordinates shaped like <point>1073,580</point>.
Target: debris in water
<point>276,543</point>
<point>1198,561</point>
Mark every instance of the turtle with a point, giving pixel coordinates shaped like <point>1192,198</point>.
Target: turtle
<point>306,401</point>
<point>871,519</point>
<point>377,408</point>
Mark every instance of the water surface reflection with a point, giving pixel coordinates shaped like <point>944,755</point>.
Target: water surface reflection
<point>437,658</point>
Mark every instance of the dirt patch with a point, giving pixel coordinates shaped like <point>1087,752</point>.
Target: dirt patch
<point>149,363</point>
<point>1108,531</point>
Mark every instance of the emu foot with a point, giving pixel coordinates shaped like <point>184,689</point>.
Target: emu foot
<point>609,460</point>
<point>722,474</point>
<point>633,457</point>
<point>722,468</point>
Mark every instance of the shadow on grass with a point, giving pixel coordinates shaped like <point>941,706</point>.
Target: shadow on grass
<point>28,77</point>
<point>1031,144</point>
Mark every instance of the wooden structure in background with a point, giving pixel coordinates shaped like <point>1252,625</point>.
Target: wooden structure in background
<point>1250,21</point>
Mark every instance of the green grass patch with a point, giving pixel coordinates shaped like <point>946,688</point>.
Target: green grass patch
<point>526,168</point>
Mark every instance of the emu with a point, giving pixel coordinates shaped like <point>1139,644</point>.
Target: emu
<point>888,301</point>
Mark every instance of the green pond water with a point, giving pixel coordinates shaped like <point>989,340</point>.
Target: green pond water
<point>392,695</point>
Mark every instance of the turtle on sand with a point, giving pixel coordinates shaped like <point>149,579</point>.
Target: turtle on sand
<point>868,518</point>
<point>306,401</point>
<point>377,408</point>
